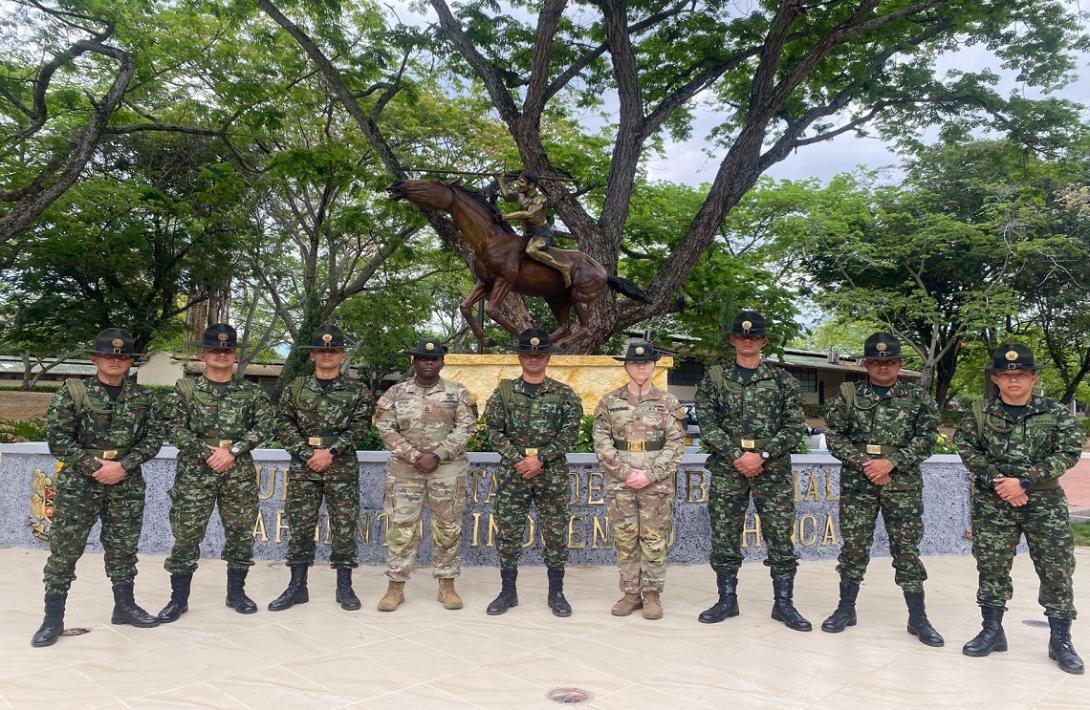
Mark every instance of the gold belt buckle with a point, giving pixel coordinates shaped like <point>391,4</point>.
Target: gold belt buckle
<point>314,441</point>
<point>531,452</point>
<point>109,454</point>
<point>749,443</point>
<point>640,445</point>
<point>874,449</point>
<point>225,443</point>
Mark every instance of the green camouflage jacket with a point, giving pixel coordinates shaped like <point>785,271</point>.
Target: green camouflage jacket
<point>440,419</point>
<point>339,417</point>
<point>659,417</point>
<point>128,426</point>
<point>548,422</point>
<point>902,427</point>
<point>240,412</point>
<point>766,410</point>
<point>1042,443</point>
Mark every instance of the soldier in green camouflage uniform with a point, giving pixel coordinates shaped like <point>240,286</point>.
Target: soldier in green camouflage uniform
<point>102,429</point>
<point>425,423</point>
<point>320,419</point>
<point>215,422</point>
<point>532,421</point>
<point>639,436</point>
<point>751,417</point>
<point>1016,447</point>
<point>882,430</point>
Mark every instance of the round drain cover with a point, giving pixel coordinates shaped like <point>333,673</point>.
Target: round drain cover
<point>567,695</point>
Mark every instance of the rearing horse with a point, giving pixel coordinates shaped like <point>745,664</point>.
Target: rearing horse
<point>501,267</point>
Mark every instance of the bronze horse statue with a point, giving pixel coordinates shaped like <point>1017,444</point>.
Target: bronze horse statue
<point>502,268</point>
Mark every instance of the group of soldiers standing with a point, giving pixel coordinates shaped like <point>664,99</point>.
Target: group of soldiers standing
<point>1015,446</point>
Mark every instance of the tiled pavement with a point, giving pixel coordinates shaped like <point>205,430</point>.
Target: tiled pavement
<point>424,657</point>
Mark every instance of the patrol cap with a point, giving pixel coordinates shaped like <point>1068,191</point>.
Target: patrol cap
<point>1013,356</point>
<point>114,341</point>
<point>640,351</point>
<point>534,340</point>
<point>882,346</point>
<point>428,347</point>
<point>219,335</point>
<point>326,337</point>
<point>749,323</point>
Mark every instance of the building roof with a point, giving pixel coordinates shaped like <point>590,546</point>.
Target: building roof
<point>793,357</point>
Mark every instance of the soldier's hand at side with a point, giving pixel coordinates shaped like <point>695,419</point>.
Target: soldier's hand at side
<point>1008,488</point>
<point>109,473</point>
<point>221,460</point>
<point>637,479</point>
<point>426,462</point>
<point>320,460</point>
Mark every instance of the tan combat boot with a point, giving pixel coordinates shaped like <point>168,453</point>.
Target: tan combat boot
<point>447,596</point>
<point>652,607</point>
<point>627,604</point>
<point>395,595</point>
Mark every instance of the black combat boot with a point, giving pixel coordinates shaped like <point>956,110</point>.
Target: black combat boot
<point>236,592</point>
<point>508,597</point>
<point>179,598</point>
<point>783,608</point>
<point>1060,648</point>
<point>296,593</point>
<point>346,596</point>
<point>53,624</point>
<point>844,615</point>
<point>556,600</point>
<point>727,606</point>
<point>918,624</point>
<point>991,636</point>
<point>126,610</point>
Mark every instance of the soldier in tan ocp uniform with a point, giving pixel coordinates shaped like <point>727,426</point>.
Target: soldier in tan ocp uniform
<point>639,436</point>
<point>425,422</point>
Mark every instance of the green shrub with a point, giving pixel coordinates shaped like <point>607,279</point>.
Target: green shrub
<point>12,431</point>
<point>1081,531</point>
<point>952,417</point>
<point>944,445</point>
<point>814,411</point>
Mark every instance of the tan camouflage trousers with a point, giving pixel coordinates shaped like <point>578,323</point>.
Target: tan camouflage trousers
<point>641,521</point>
<point>403,504</point>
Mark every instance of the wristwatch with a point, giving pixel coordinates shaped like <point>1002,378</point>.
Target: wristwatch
<point>333,451</point>
<point>235,449</point>
<point>1026,483</point>
<point>765,455</point>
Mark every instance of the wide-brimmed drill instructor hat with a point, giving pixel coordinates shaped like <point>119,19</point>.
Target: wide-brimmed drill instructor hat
<point>114,341</point>
<point>534,340</point>
<point>1013,356</point>
<point>882,346</point>
<point>326,337</point>
<point>428,347</point>
<point>219,335</point>
<point>749,323</point>
<point>640,351</point>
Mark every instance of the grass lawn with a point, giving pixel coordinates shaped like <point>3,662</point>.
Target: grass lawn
<point>1082,532</point>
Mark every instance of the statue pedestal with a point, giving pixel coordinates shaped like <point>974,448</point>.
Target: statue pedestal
<point>591,376</point>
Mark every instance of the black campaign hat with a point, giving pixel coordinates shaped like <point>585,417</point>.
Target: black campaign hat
<point>114,341</point>
<point>428,347</point>
<point>1013,356</point>
<point>219,335</point>
<point>749,323</point>
<point>640,351</point>
<point>534,340</point>
<point>326,337</point>
<point>882,346</point>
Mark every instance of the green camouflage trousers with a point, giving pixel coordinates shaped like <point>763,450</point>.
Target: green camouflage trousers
<point>642,522</point>
<point>81,500</point>
<point>902,512</point>
<point>342,502</point>
<point>403,504</point>
<point>773,497</point>
<point>548,491</point>
<point>197,490</point>
<point>1046,523</point>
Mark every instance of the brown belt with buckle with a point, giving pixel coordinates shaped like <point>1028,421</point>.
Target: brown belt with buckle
<point>751,444</point>
<point>218,443</point>
<point>321,442</point>
<point>878,449</point>
<point>639,444</point>
<point>107,454</point>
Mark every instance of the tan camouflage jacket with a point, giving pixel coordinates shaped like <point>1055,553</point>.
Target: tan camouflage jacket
<point>659,417</point>
<point>439,419</point>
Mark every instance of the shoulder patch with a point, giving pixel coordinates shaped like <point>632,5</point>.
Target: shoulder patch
<point>680,412</point>
<point>384,403</point>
